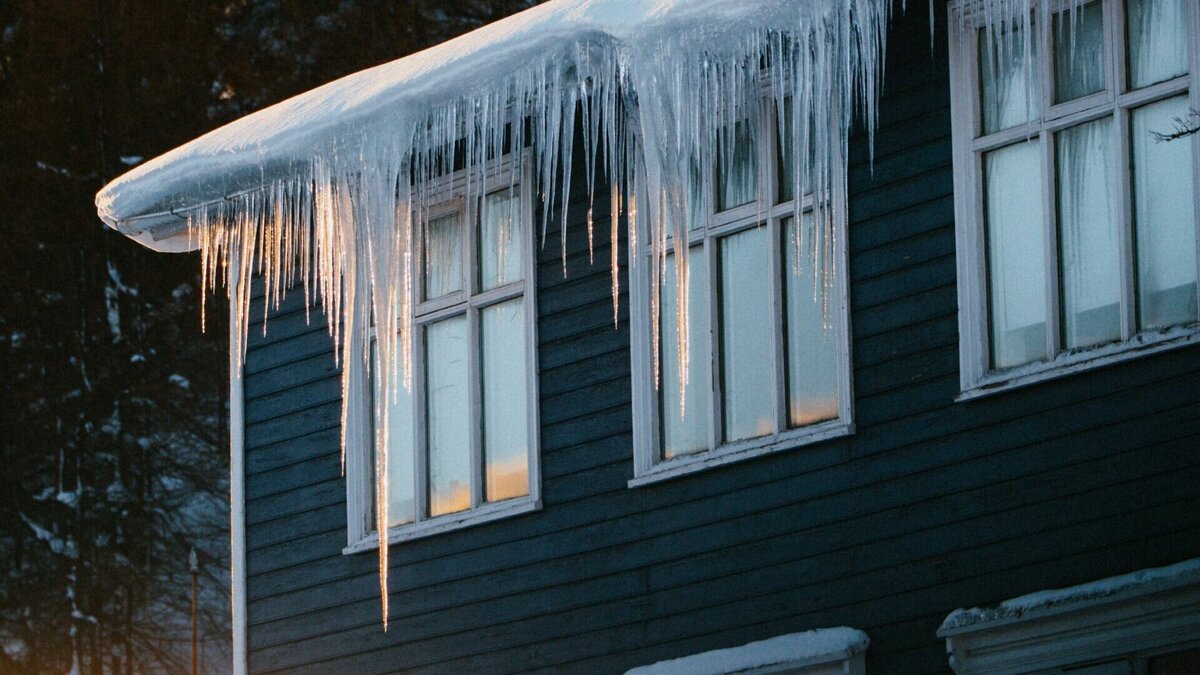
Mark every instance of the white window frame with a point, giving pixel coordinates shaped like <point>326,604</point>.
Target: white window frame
<point>763,212</point>
<point>445,197</point>
<point>1107,621</point>
<point>976,377</point>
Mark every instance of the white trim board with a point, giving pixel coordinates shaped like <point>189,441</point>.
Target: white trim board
<point>237,488</point>
<point>1150,610</point>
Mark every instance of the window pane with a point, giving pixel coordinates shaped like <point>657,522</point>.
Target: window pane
<point>1016,254</point>
<point>746,352</point>
<point>685,429</point>
<point>448,424</point>
<point>443,256</point>
<point>737,180</point>
<point>401,503</point>
<point>1089,241</point>
<point>1179,663</point>
<point>505,419</point>
<point>1164,217</point>
<point>811,344</point>
<point>786,156</point>
<point>1009,85</point>
<point>697,206</point>
<point>1157,41</point>
<point>500,239</point>
<point>1079,52</point>
<point>401,487</point>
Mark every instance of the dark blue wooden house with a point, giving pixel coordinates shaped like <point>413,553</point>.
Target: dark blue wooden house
<point>988,389</point>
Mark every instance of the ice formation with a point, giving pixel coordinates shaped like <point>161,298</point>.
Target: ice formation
<point>326,190</point>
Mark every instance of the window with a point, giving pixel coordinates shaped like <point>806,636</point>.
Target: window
<point>1077,227</point>
<point>463,442</point>
<point>1144,623</point>
<point>768,364</point>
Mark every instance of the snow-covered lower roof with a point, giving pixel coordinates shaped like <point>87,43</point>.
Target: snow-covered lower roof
<point>1058,599</point>
<point>814,647</point>
<point>149,202</point>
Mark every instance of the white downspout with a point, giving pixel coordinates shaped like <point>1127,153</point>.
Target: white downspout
<point>237,484</point>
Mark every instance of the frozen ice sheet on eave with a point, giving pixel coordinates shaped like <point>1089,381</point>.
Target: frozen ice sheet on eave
<point>388,99</point>
<point>1134,583</point>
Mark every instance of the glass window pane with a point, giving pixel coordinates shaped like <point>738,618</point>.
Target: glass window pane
<point>786,156</point>
<point>443,256</point>
<point>505,414</point>
<point>1079,52</point>
<point>698,207</point>
<point>737,179</point>
<point>1164,216</point>
<point>746,353</point>
<point>1179,663</point>
<point>401,487</point>
<point>685,422</point>
<point>812,353</point>
<point>1016,254</point>
<point>1089,241</point>
<point>448,425</point>
<point>500,239</point>
<point>1009,85</point>
<point>1158,48</point>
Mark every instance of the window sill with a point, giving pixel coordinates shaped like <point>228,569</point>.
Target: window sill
<point>447,523</point>
<point>742,450</point>
<point>1143,344</point>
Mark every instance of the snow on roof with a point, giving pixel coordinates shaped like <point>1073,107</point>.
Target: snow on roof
<point>823,645</point>
<point>392,97</point>
<point>1134,583</point>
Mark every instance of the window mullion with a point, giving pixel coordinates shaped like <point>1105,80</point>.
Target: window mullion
<point>1117,48</point>
<point>716,402</point>
<point>778,338</point>
<point>420,418</point>
<point>471,228</point>
<point>1050,219</point>
<point>475,398</point>
<point>1194,96</point>
<point>1125,222</point>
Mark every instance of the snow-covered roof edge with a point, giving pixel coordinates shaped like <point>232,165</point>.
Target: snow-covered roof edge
<point>1041,603</point>
<point>814,647</point>
<point>386,103</point>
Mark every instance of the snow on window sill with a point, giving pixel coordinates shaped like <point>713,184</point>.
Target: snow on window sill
<point>742,450</point>
<point>448,523</point>
<point>1142,344</point>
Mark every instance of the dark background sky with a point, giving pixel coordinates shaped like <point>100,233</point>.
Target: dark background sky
<point>113,438</point>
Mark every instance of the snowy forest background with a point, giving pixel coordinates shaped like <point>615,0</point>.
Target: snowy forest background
<point>114,438</point>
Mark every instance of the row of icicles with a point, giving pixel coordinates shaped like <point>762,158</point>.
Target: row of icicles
<point>346,222</point>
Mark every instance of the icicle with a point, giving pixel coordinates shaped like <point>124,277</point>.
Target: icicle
<point>347,218</point>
